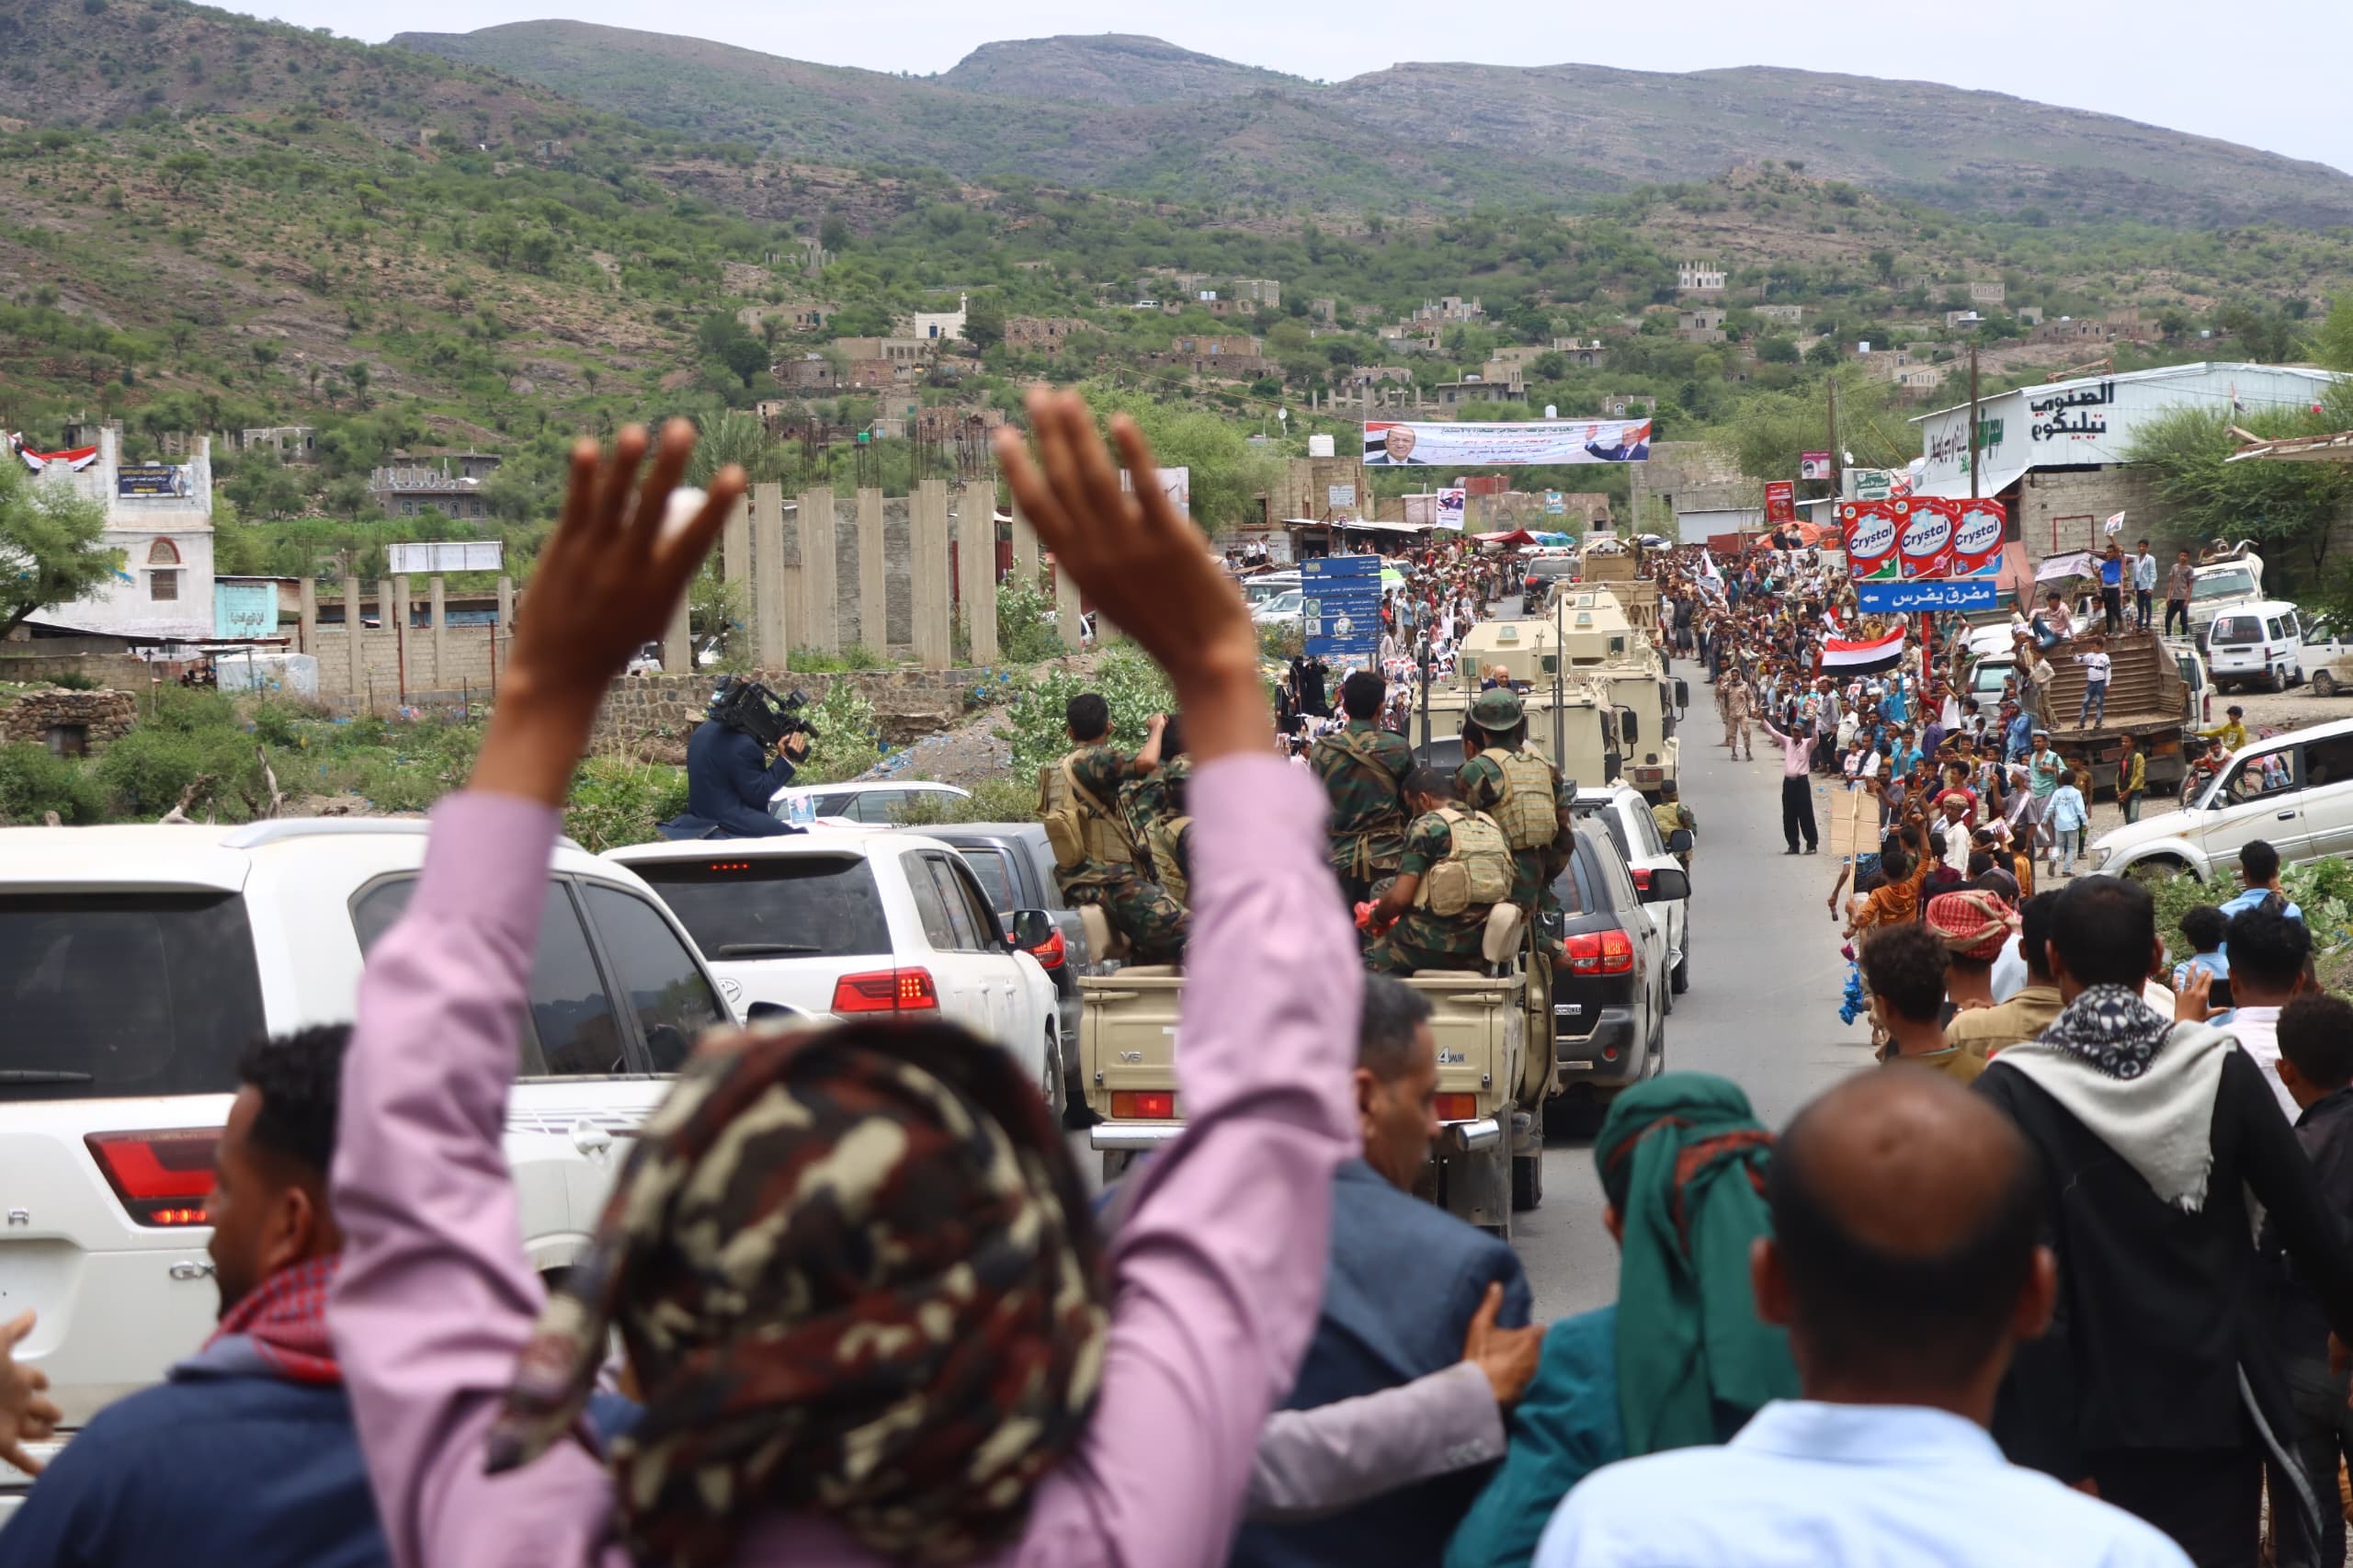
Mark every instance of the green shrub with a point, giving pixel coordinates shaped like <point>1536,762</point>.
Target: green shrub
<point>848,741</point>
<point>33,782</point>
<point>615,801</point>
<point>147,770</point>
<point>1024,634</point>
<point>74,680</point>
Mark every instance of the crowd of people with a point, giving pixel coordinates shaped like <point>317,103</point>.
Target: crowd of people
<point>866,1310</point>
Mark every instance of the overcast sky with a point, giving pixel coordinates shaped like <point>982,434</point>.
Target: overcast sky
<point>2269,76</point>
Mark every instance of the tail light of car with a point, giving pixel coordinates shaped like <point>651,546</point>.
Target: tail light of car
<point>1641,878</point>
<point>1600,952</point>
<point>886,990</point>
<point>1051,952</point>
<point>162,1177</point>
<point>1143,1104</point>
<point>1456,1108</point>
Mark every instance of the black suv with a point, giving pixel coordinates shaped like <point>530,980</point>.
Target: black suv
<point>1609,997</point>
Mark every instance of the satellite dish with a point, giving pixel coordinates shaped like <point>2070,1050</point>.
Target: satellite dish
<point>1551,411</point>
<point>1283,414</point>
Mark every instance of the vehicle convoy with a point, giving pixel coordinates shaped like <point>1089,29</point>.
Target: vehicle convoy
<point>1607,654</point>
<point>136,965</point>
<point>1568,722</point>
<point>2154,692</point>
<point>853,923</point>
<point>2223,583</point>
<point>2294,792</point>
<point>1512,1038</point>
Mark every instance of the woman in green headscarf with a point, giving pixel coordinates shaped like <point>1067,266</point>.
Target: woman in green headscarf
<point>1681,1358</point>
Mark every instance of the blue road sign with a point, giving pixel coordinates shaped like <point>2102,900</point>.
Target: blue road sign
<point>1340,607</point>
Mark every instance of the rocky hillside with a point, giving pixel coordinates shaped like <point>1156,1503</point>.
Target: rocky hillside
<point>1126,113</point>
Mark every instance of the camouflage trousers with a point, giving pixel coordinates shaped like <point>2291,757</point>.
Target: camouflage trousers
<point>1141,910</point>
<point>1390,955</point>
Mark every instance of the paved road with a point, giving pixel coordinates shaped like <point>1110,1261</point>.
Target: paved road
<point>1762,1009</point>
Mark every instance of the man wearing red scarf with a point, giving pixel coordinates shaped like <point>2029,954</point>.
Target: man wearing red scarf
<point>246,1455</point>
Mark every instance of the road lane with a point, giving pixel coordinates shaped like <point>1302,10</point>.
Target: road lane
<point>1762,1010</point>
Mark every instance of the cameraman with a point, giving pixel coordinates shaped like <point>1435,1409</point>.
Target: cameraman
<point>729,780</point>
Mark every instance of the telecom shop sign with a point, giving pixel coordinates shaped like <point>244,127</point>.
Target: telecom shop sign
<point>151,480</point>
<point>1340,607</point>
<point>1919,552</point>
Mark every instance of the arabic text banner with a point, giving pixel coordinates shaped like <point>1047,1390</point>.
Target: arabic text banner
<point>1391,444</point>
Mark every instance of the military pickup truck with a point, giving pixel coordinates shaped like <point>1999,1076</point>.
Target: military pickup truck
<point>1491,1084</point>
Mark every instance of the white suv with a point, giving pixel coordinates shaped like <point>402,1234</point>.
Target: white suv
<point>137,963</point>
<point>851,923</point>
<point>2294,792</point>
<point>1622,809</point>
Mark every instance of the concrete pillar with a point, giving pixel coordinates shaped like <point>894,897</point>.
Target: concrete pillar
<point>502,636</point>
<point>306,625</point>
<point>735,567</point>
<point>677,641</point>
<point>396,621</point>
<point>976,557</point>
<point>1025,549</point>
<point>819,566</point>
<point>439,588</point>
<point>355,669</point>
<point>927,538</point>
<point>771,648</point>
<point>873,604</point>
<point>1065,607</point>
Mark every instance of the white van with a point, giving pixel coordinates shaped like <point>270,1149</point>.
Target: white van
<point>2257,644</point>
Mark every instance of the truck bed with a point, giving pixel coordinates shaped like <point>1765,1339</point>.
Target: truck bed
<point>2146,698</point>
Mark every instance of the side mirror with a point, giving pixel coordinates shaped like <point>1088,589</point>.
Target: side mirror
<point>1668,883</point>
<point>1682,693</point>
<point>1679,841</point>
<point>1630,726</point>
<point>1031,928</point>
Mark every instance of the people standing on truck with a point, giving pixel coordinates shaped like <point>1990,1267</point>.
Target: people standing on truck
<point>1364,769</point>
<point>1509,780</point>
<point>2179,582</point>
<point>1097,859</point>
<point>1680,1357</point>
<point>2144,584</point>
<point>1371,1337</point>
<point>2036,690</point>
<point>2111,589</point>
<point>1457,866</point>
<point>2131,777</point>
<point>2092,710</point>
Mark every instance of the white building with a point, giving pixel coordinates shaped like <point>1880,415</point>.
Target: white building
<point>945,326</point>
<point>1699,278</point>
<point>160,517</point>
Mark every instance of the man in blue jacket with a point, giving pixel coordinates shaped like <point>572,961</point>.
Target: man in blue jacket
<point>1404,1281</point>
<point>730,779</point>
<point>247,1455</point>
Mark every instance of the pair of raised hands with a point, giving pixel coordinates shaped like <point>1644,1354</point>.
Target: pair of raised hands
<point>630,538</point>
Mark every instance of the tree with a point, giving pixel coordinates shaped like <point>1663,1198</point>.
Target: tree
<point>2288,508</point>
<point>2333,343</point>
<point>51,549</point>
<point>985,322</point>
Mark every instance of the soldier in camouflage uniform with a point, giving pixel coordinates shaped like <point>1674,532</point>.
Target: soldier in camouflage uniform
<point>1496,740</point>
<point>1155,808</point>
<point>1415,936</point>
<point>1363,767</point>
<point>1096,857</point>
<point>1671,816</point>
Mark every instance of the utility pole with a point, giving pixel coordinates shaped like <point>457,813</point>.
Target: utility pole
<point>1974,453</point>
<point>1837,458</point>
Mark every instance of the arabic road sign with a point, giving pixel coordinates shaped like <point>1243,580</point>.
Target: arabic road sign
<point>1340,607</point>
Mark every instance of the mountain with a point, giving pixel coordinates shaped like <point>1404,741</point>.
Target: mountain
<point>1136,115</point>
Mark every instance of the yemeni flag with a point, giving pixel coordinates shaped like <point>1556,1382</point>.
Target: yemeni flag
<point>1843,657</point>
<point>77,459</point>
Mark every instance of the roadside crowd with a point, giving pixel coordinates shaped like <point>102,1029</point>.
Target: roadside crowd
<point>865,1311</point>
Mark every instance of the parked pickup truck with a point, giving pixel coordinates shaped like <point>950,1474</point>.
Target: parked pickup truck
<point>2155,688</point>
<point>1016,866</point>
<point>1491,1088</point>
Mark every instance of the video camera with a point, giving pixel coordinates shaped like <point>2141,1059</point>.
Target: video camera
<point>748,706</point>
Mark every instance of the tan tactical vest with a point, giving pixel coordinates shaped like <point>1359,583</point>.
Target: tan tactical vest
<point>1079,826</point>
<point>1476,872</point>
<point>1529,812</point>
<point>1162,840</point>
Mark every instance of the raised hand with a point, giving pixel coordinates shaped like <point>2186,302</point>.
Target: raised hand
<point>1144,565</point>
<point>1508,1356</point>
<point>26,1414</point>
<point>605,583</point>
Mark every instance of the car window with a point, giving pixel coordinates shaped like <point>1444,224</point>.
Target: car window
<point>937,930</point>
<point>125,994</point>
<point>1621,883</point>
<point>2318,631</point>
<point>1602,812</point>
<point>995,872</point>
<point>976,900</point>
<point>2222,584</point>
<point>966,935</point>
<point>2328,762</point>
<point>572,1025</point>
<point>2260,778</point>
<point>1574,886</point>
<point>2277,628</point>
<point>833,805</point>
<point>774,906</point>
<point>665,987</point>
<point>1647,827</point>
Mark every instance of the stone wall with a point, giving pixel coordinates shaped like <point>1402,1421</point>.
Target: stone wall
<point>34,661</point>
<point>651,716</point>
<point>103,717</point>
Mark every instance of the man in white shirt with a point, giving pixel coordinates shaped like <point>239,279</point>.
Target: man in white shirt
<point>1904,1261</point>
<point>2095,703</point>
<point>2268,951</point>
<point>2144,583</point>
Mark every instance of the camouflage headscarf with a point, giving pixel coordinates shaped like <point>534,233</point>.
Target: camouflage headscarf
<point>855,1277</point>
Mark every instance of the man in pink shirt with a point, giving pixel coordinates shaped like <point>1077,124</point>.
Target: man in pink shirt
<point>1797,786</point>
<point>1135,1449</point>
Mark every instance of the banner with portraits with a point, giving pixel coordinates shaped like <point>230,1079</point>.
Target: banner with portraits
<point>1400,444</point>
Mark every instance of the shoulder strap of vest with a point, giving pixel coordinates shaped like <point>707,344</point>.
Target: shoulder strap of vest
<point>1070,777</point>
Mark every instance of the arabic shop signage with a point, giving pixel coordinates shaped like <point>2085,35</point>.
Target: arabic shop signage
<point>2082,411</point>
<point>1947,446</point>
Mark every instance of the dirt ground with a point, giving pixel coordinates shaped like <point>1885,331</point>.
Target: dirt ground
<point>2267,713</point>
